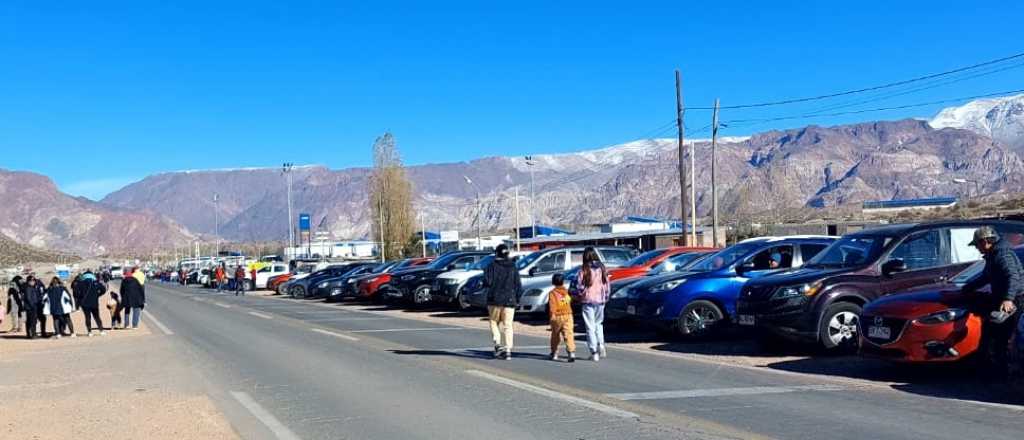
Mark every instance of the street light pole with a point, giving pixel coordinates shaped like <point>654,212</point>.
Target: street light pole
<point>479,208</point>
<point>533,199</point>
<point>287,169</point>
<point>216,222</point>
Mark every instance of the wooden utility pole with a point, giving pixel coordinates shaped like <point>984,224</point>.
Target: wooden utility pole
<point>682,156</point>
<point>714,181</point>
<point>518,245</point>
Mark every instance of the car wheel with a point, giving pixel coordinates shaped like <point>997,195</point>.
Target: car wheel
<point>421,295</point>
<point>839,326</point>
<point>462,303</point>
<point>698,319</point>
<point>298,292</point>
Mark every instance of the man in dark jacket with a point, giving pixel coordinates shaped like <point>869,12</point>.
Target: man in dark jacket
<point>1004,275</point>
<point>501,278</point>
<point>92,290</point>
<point>133,299</point>
<point>32,298</point>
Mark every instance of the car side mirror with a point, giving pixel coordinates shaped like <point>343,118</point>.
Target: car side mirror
<point>533,271</point>
<point>450,267</point>
<point>895,265</point>
<point>745,267</point>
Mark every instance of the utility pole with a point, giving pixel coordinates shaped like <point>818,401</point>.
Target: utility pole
<point>380,210</point>
<point>714,181</point>
<point>286,168</point>
<point>533,199</point>
<point>423,235</point>
<point>682,156</point>
<point>518,245</point>
<point>216,222</point>
<point>479,210</point>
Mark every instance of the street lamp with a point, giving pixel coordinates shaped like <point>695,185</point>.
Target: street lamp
<point>286,169</point>
<point>216,222</point>
<point>533,210</point>
<point>479,208</point>
<point>962,181</point>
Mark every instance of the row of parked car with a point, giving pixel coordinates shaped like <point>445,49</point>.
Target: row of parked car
<point>893,291</point>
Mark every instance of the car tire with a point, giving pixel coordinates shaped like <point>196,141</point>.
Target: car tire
<point>298,292</point>
<point>838,329</point>
<point>699,319</point>
<point>421,295</point>
<point>461,302</point>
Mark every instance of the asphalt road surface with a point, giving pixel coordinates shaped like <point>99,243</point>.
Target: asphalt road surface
<point>292,369</point>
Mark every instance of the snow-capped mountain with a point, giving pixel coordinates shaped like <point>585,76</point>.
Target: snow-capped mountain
<point>1001,119</point>
<point>612,156</point>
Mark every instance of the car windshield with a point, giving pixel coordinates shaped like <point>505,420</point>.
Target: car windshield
<point>679,262</point>
<point>525,261</point>
<point>725,257</point>
<point>483,263</point>
<point>643,258</point>
<point>443,261</point>
<point>849,252</point>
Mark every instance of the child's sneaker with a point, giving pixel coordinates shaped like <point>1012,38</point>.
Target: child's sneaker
<point>497,351</point>
<point>554,356</point>
<point>572,357</point>
<point>74,335</point>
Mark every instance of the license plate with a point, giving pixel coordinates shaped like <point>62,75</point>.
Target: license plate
<point>879,332</point>
<point>746,319</point>
<point>631,310</point>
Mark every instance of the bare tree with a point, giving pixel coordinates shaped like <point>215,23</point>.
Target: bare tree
<point>390,199</point>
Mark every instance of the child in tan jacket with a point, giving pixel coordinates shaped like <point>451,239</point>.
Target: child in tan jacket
<point>560,313</point>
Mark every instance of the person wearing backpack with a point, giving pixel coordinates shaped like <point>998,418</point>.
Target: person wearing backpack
<point>594,289</point>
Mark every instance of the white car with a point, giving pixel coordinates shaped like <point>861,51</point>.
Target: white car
<point>116,272</point>
<point>267,272</point>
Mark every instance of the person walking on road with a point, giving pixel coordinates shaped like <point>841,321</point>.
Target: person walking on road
<point>239,280</point>
<point>219,274</point>
<point>1004,274</point>
<point>33,300</point>
<point>561,322</point>
<point>253,273</point>
<point>133,299</point>
<point>501,278</point>
<point>92,291</point>
<point>594,290</point>
<point>59,303</point>
<point>14,304</point>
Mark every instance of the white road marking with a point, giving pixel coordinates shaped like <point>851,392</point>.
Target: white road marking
<point>337,335</point>
<point>723,392</point>
<point>421,329</point>
<point>275,426</point>
<point>158,324</point>
<point>222,305</point>
<point>260,315</point>
<point>610,410</point>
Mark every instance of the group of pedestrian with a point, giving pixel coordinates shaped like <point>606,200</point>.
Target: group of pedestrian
<point>504,284</point>
<point>32,303</point>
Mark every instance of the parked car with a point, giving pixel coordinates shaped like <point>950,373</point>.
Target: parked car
<point>370,286</point>
<point>448,286</point>
<point>934,324</point>
<point>822,302</point>
<point>536,270</point>
<point>414,284</point>
<point>300,288</point>
<point>618,302</point>
<point>340,287</point>
<point>534,298</point>
<point>645,262</point>
<point>264,274</point>
<point>275,282</point>
<point>116,272</point>
<point>694,303</point>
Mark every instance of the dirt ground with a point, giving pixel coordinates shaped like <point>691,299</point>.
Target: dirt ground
<point>127,384</point>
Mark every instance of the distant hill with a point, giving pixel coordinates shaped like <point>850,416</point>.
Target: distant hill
<point>13,253</point>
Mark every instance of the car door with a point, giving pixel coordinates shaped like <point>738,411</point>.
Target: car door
<point>549,264</point>
<point>770,260</point>
<point>615,257</point>
<point>926,256</point>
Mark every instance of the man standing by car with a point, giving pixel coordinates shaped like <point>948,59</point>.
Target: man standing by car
<point>503,284</point>
<point>1004,274</point>
<point>240,280</point>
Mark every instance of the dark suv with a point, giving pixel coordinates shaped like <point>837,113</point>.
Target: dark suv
<point>821,302</point>
<point>414,284</point>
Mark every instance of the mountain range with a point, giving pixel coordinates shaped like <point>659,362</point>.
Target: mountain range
<point>980,143</point>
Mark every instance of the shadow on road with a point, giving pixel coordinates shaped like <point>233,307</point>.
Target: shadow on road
<point>471,354</point>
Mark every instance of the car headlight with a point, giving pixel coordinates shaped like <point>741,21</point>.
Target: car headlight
<point>666,286</point>
<point>944,316</point>
<point>810,289</point>
<point>620,293</point>
<point>323,284</point>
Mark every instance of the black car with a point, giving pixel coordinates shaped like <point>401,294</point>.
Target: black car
<point>414,284</point>
<point>821,302</point>
<point>303,287</point>
<point>334,289</point>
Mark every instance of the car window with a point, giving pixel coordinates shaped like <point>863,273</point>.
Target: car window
<point>850,251</point>
<point>775,257</point>
<point>613,257</point>
<point>810,250</point>
<point>960,247</point>
<point>264,269</point>
<point>577,258</point>
<point>1012,234</point>
<point>464,262</point>
<point>551,262</point>
<point>920,251</point>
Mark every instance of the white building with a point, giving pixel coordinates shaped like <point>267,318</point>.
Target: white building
<point>334,249</point>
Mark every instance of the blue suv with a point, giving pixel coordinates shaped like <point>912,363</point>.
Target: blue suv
<point>694,302</point>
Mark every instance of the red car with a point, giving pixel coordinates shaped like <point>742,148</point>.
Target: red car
<point>371,284</point>
<point>938,324</point>
<point>274,282</point>
<point>643,263</point>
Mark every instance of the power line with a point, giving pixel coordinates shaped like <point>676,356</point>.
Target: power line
<point>853,112</point>
<point>867,89</point>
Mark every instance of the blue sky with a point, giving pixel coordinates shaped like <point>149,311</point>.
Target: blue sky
<point>98,94</point>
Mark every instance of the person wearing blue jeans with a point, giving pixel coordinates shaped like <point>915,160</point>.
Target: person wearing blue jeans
<point>136,316</point>
<point>594,289</point>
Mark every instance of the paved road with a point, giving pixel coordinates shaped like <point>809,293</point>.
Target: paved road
<point>294,369</point>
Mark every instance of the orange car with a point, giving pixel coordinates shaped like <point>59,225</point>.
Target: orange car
<point>369,285</point>
<point>274,282</point>
<point>643,263</point>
